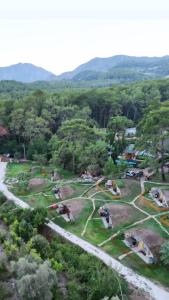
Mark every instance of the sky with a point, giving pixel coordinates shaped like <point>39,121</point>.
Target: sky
<point>59,35</point>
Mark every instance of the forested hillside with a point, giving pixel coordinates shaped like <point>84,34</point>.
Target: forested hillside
<point>49,125</point>
<point>25,73</point>
<point>120,69</point>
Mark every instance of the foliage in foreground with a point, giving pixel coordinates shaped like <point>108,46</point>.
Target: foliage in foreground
<point>165,253</point>
<point>40,267</point>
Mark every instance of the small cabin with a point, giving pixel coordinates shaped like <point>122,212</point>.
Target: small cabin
<point>130,132</point>
<point>112,187</point>
<point>158,196</point>
<point>145,243</point>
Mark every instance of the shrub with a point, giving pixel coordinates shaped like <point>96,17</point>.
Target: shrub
<point>23,176</point>
<point>37,285</point>
<point>3,263</point>
<point>41,245</point>
<point>2,198</point>
<point>165,253</point>
<point>4,291</point>
<point>3,234</point>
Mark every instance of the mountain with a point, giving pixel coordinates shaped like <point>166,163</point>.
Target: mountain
<point>120,68</point>
<point>96,72</point>
<point>25,73</point>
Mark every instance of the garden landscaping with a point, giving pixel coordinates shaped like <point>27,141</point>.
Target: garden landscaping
<point>84,202</point>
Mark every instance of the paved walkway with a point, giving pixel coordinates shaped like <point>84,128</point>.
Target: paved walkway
<point>4,189</point>
<point>157,292</point>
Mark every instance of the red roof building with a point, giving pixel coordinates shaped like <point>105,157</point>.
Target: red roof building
<point>3,131</point>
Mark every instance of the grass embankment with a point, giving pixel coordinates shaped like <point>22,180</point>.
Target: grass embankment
<point>156,272</point>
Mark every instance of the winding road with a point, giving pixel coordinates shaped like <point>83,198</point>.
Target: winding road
<point>156,292</point>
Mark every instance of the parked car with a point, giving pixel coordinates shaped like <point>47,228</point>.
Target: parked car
<point>134,173</point>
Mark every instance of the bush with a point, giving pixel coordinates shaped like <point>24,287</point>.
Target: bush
<point>23,176</point>
<point>41,245</point>
<point>3,234</point>
<point>7,212</point>
<point>4,291</point>
<point>38,284</point>
<point>2,198</point>
<point>165,253</point>
<point>3,263</point>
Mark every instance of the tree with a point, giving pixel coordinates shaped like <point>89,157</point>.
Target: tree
<point>36,281</point>
<point>73,136</point>
<point>41,245</point>
<point>116,135</point>
<point>154,128</point>
<point>93,157</point>
<point>118,124</point>
<point>164,252</point>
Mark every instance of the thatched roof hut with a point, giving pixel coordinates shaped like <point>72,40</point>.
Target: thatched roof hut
<point>151,239</point>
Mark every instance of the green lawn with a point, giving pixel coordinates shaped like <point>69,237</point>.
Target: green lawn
<point>133,189</point>
<point>145,207</point>
<point>78,189</point>
<point>157,177</point>
<point>165,226</point>
<point>96,232</point>
<point>39,200</point>
<point>104,196</point>
<point>115,247</point>
<point>156,272</point>
<point>13,169</point>
<point>77,226</point>
<point>152,225</point>
<point>162,186</point>
<point>129,189</point>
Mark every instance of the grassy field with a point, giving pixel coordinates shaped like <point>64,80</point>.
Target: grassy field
<point>77,226</point>
<point>95,233</point>
<point>129,190</point>
<point>162,186</point>
<point>115,247</point>
<point>157,177</point>
<point>156,272</point>
<point>152,225</point>
<point>146,207</point>
<point>13,169</point>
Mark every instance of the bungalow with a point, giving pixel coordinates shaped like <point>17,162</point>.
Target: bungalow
<point>158,196</point>
<point>112,187</point>
<point>105,216</point>
<point>145,243</point>
<point>130,132</point>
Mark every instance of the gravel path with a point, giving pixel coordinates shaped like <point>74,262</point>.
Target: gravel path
<point>157,292</point>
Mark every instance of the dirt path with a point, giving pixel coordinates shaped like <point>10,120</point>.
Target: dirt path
<point>157,292</point>
<point>89,218</point>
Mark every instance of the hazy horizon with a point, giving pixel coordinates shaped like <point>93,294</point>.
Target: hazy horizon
<point>77,65</point>
<point>59,36</point>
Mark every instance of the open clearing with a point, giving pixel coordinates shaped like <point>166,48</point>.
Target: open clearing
<point>84,201</point>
